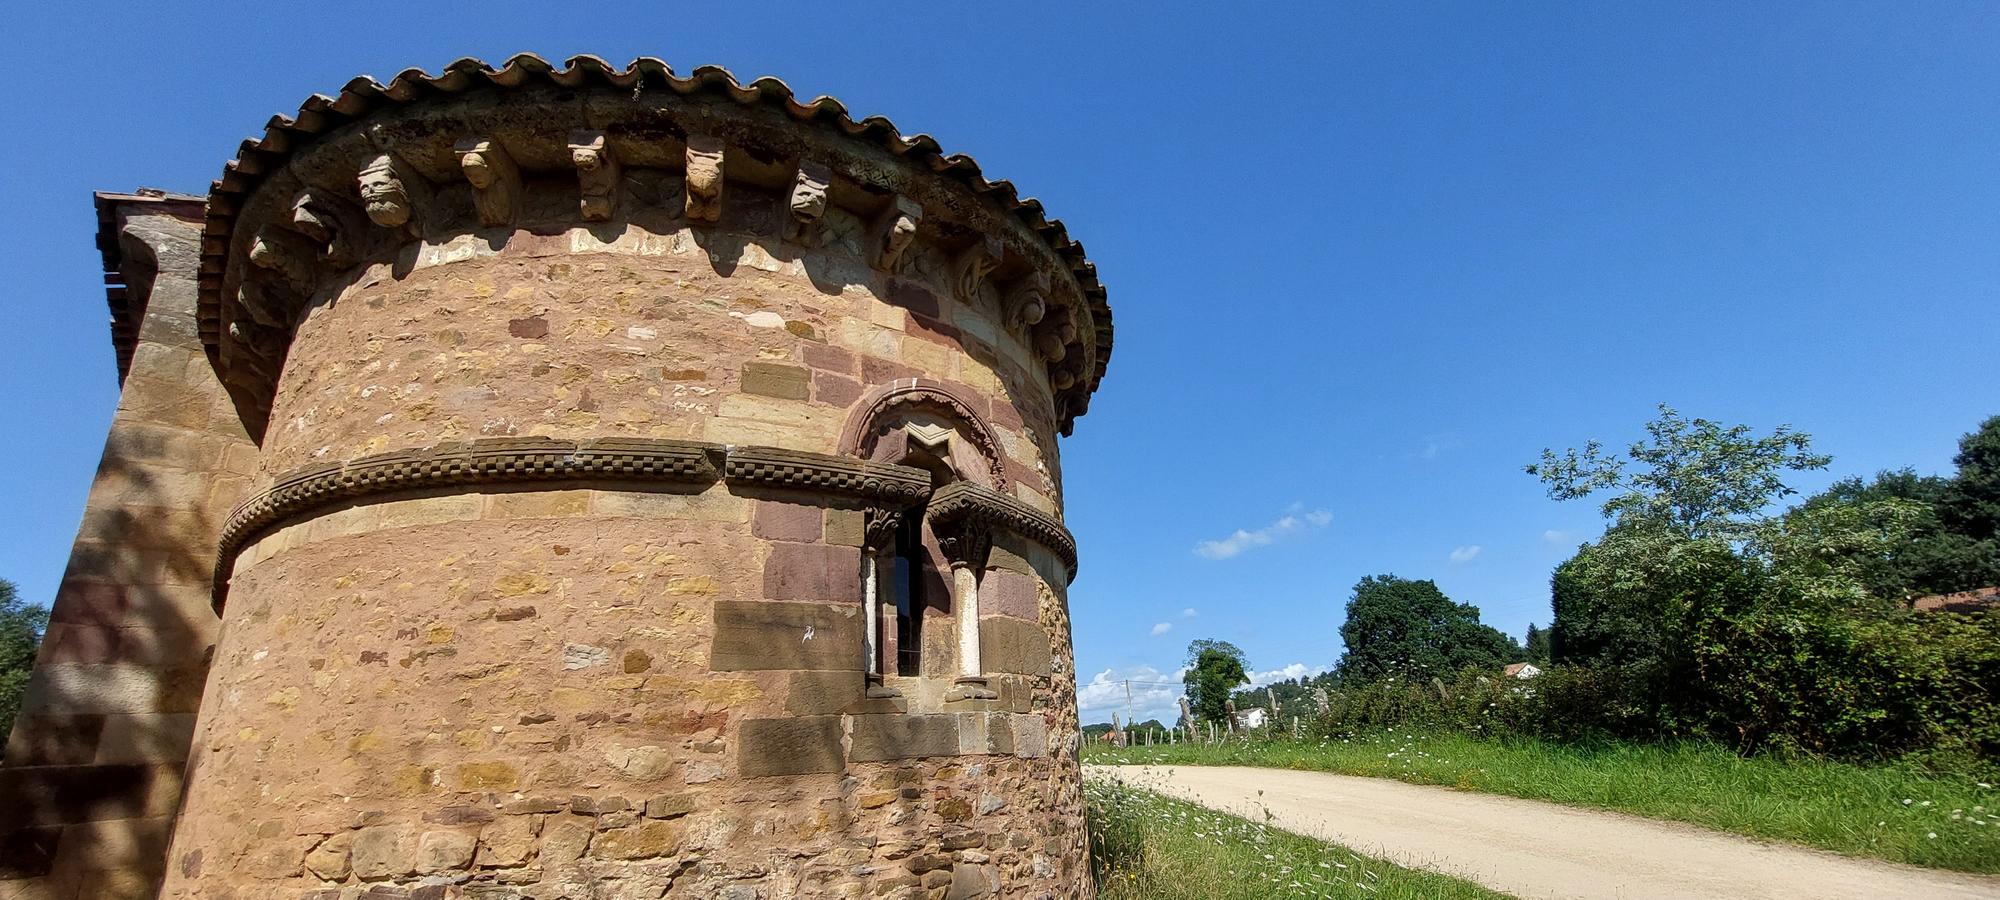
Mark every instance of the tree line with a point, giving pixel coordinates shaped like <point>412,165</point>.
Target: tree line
<point>1707,610</point>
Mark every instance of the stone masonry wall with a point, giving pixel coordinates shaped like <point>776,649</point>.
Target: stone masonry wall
<point>92,772</point>
<point>595,691</point>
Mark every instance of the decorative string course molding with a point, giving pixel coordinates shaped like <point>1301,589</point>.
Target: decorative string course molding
<point>641,460</point>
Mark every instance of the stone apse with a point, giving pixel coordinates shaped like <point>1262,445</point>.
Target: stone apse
<point>611,484</point>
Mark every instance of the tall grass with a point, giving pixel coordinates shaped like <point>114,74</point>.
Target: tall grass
<point>1147,847</point>
<point>1897,813</point>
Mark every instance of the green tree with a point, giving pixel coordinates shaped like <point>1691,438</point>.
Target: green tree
<point>1398,627</point>
<point>1214,668</point>
<point>1972,506</point>
<point>1692,476</point>
<point>1536,647</point>
<point>21,627</point>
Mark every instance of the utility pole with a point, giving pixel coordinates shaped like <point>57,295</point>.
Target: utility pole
<point>1129,717</point>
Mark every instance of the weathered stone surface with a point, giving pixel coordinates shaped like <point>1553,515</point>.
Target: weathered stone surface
<point>781,521</point>
<point>883,737</point>
<point>771,635</point>
<point>776,380</point>
<point>812,572</point>
<point>329,859</point>
<point>647,839</point>
<point>384,851</point>
<point>508,841</point>
<point>790,746</point>
<point>1013,645</point>
<point>444,851</point>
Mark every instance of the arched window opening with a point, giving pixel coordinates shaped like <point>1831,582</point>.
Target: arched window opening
<point>908,580</point>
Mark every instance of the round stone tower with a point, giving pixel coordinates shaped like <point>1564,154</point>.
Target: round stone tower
<point>660,498</point>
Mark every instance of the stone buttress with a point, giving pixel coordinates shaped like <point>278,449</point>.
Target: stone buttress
<point>656,494</point>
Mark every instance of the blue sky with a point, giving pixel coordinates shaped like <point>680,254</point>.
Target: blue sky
<point>1366,260</point>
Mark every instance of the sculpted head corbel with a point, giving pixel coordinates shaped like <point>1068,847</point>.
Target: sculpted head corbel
<point>894,232</point>
<point>336,223</point>
<point>392,192</point>
<point>495,179</point>
<point>597,173</point>
<point>704,179</point>
<point>973,264</point>
<point>808,204</point>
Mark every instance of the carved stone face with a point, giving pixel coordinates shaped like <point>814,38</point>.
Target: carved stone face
<point>900,233</point>
<point>477,171</point>
<point>387,200</point>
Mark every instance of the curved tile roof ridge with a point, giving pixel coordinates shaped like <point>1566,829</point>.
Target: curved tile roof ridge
<point>363,94</point>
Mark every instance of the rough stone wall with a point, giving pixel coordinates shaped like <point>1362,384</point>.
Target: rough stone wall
<point>591,691</point>
<point>92,772</point>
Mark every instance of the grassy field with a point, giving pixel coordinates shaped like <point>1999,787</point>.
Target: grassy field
<point>1148,847</point>
<point>1896,814</point>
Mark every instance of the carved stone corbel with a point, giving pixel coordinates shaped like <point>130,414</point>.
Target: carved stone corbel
<point>286,254</point>
<point>334,222</point>
<point>808,204</point>
<point>1027,301</point>
<point>894,232</point>
<point>704,179</point>
<point>973,264</point>
<point>393,193</point>
<point>265,306</point>
<point>495,179</point>
<point>597,173</point>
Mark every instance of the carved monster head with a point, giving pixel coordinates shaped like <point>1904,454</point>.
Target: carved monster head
<point>383,192</point>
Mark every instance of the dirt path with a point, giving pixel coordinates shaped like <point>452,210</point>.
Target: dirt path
<point>1537,850</point>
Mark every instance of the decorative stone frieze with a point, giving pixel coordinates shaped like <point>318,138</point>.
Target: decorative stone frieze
<point>896,185</point>
<point>888,489</point>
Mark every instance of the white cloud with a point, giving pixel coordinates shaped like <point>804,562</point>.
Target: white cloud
<point>1430,451</point>
<point>1288,673</point>
<point>1466,554</point>
<point>1296,520</point>
<point>1153,695</point>
<point>1189,613</point>
<point>1555,537</point>
<point>1162,628</point>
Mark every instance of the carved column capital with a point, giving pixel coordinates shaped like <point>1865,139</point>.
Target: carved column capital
<point>965,542</point>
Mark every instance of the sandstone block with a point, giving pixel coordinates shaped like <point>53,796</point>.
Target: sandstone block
<point>1016,646</point>
<point>669,806</point>
<point>645,840</point>
<point>790,746</point>
<point>885,737</point>
<point>756,634</point>
<point>845,527</point>
<point>384,851</point>
<point>444,851</point>
<point>508,841</point>
<point>776,380</point>
<point>329,860</point>
<point>813,572</point>
<point>780,521</point>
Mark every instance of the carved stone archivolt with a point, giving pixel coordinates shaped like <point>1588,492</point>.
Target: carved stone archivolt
<point>353,179</point>
<point>866,426</point>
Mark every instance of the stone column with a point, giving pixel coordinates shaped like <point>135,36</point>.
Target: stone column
<point>878,550</point>
<point>966,545</point>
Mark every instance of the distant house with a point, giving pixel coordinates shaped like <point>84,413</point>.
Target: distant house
<point>1961,602</point>
<point>1523,671</point>
<point>1253,717</point>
